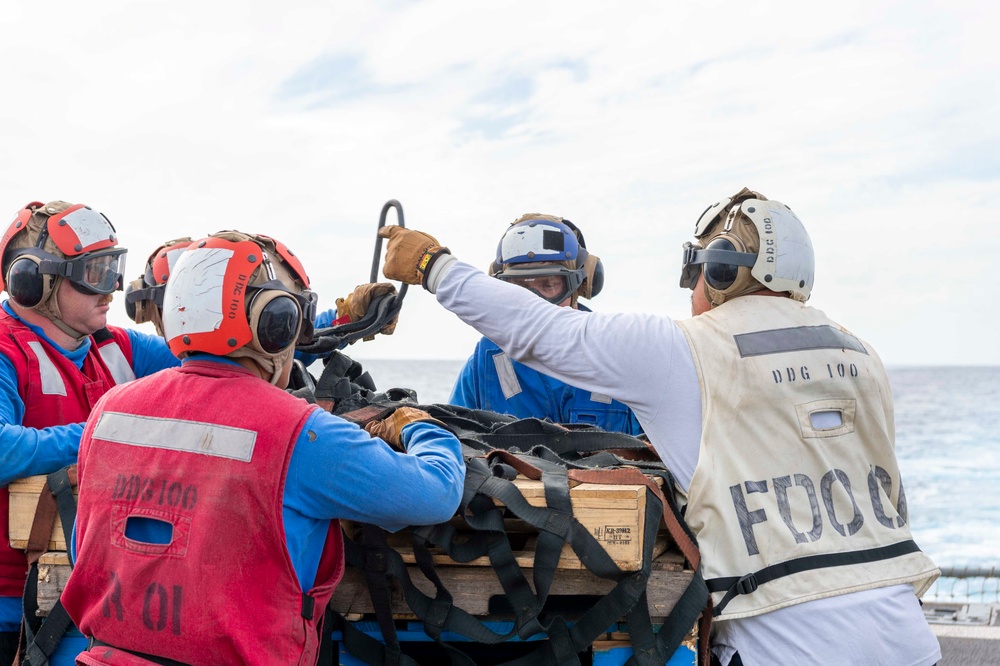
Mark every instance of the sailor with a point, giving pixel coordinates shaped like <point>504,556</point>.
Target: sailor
<point>144,295</point>
<point>776,422</point>
<point>198,485</point>
<point>548,256</point>
<point>61,264</point>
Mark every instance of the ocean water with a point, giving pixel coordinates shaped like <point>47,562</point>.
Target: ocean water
<point>947,443</point>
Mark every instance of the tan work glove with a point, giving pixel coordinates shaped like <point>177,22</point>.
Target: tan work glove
<point>410,254</point>
<point>390,428</point>
<point>356,304</point>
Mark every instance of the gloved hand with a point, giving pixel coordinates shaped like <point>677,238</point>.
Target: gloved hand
<point>410,254</point>
<point>390,428</point>
<point>356,304</point>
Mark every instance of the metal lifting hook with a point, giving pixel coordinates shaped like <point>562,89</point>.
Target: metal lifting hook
<point>380,310</point>
<point>391,203</point>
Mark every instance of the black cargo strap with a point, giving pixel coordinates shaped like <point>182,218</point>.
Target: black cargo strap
<point>41,638</point>
<point>734,586</point>
<point>341,378</point>
<point>556,526</point>
<point>552,453</point>
<point>380,312</point>
<point>376,570</point>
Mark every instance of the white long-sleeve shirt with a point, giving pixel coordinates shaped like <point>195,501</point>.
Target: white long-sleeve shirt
<point>644,361</point>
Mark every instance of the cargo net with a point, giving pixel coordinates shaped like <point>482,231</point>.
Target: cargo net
<point>499,450</point>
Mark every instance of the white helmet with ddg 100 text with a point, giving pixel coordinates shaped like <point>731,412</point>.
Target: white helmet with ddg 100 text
<point>746,243</point>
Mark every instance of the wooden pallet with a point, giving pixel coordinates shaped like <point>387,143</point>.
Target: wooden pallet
<point>475,589</point>
<point>23,501</point>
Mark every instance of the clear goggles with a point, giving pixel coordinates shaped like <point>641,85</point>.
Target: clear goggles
<point>98,272</point>
<point>553,283</point>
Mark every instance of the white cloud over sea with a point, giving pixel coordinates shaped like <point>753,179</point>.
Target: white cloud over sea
<point>875,121</point>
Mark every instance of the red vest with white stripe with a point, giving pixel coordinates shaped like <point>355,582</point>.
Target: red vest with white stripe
<point>204,448</point>
<point>54,392</point>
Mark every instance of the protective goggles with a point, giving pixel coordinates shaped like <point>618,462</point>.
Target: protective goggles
<point>553,283</point>
<point>152,294</point>
<point>98,272</point>
<point>720,259</point>
<point>307,301</point>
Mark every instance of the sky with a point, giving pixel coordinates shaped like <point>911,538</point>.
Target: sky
<point>878,123</point>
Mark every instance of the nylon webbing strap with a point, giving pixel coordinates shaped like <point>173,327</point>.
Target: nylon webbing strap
<point>42,638</point>
<point>565,642</point>
<point>376,569</point>
<point>737,585</point>
<point>497,447</point>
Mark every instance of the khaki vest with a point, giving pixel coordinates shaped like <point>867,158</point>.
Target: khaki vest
<point>797,493</point>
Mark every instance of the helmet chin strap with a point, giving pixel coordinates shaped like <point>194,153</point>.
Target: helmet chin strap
<point>271,365</point>
<point>50,310</point>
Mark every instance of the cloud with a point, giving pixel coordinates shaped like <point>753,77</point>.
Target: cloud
<point>875,122</point>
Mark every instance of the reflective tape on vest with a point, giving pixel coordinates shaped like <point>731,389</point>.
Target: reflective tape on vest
<point>52,381</point>
<point>176,434</point>
<point>508,378</point>
<point>800,338</point>
<point>115,359</point>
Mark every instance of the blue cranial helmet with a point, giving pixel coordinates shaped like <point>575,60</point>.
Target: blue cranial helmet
<point>537,248</point>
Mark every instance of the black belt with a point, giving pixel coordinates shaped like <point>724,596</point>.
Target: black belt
<point>93,642</point>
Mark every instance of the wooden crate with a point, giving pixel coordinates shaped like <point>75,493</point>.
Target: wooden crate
<point>23,500</point>
<point>53,572</point>
<point>613,514</point>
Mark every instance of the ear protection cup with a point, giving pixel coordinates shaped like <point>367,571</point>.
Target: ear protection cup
<point>133,306</point>
<point>591,263</point>
<point>594,283</point>
<point>723,279</point>
<point>275,319</point>
<point>26,284</point>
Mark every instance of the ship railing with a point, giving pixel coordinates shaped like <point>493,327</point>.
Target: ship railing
<point>966,585</point>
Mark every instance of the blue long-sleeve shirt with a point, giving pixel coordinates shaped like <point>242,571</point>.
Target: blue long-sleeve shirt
<point>492,380</point>
<point>337,470</point>
<point>29,451</point>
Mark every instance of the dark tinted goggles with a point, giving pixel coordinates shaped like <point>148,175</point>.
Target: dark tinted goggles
<point>689,269</point>
<point>307,301</point>
<point>721,260</point>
